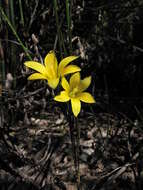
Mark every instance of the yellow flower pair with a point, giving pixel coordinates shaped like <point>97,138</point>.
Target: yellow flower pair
<point>52,72</point>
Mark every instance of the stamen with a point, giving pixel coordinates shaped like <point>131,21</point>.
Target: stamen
<point>73,93</point>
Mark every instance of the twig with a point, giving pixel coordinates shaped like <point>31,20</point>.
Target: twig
<point>33,93</point>
<point>111,176</point>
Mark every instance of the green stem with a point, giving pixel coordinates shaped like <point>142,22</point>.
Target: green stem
<point>5,34</point>
<point>57,24</point>
<point>68,16</point>
<point>77,153</point>
<point>21,13</point>
<point>59,32</point>
<point>75,141</point>
<point>6,7</point>
<point>12,13</point>
<point>2,66</point>
<point>12,46</point>
<point>63,44</point>
<point>2,63</point>
<point>72,135</point>
<point>68,13</point>
<point>15,33</point>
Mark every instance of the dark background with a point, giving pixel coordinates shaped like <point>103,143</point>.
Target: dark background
<point>108,35</point>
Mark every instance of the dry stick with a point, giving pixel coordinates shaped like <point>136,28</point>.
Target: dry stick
<point>108,101</point>
<point>55,43</point>
<point>11,41</point>
<point>33,14</point>
<point>15,33</point>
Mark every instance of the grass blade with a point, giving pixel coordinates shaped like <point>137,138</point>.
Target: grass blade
<point>15,33</point>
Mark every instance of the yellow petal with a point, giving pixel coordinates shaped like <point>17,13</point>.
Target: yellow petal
<point>51,64</point>
<point>36,66</point>
<point>86,97</point>
<point>63,97</point>
<point>74,80</point>
<point>70,69</point>
<point>84,84</point>
<point>76,106</point>
<point>65,84</point>
<point>53,83</point>
<point>36,76</point>
<point>64,62</point>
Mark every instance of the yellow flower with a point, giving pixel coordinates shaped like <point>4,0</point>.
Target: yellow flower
<point>74,91</point>
<point>51,71</point>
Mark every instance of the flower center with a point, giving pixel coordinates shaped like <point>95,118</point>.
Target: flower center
<point>73,93</point>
